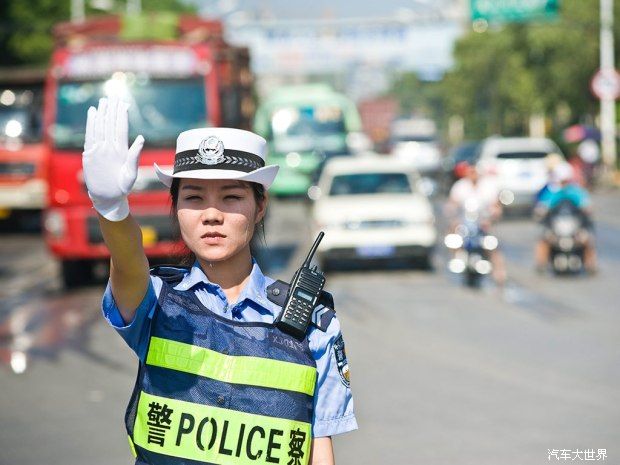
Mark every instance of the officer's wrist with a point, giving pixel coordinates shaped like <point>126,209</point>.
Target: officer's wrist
<point>112,210</point>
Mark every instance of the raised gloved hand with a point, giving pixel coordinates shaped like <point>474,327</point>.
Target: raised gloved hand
<point>110,167</point>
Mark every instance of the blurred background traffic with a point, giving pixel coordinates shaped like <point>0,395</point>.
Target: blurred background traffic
<point>460,155</point>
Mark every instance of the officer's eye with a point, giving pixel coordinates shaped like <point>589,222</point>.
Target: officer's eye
<point>233,197</point>
<point>192,197</point>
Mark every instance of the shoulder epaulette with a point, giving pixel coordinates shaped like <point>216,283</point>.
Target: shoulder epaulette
<point>323,313</point>
<point>172,274</point>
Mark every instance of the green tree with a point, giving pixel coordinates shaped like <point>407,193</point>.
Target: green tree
<point>26,27</point>
<point>490,84</point>
<point>502,76</point>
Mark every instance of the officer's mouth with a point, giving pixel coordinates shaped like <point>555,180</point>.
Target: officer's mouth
<point>213,238</point>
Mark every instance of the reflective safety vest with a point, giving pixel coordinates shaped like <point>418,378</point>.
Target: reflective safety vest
<point>218,391</point>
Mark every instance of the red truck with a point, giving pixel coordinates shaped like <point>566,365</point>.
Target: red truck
<point>177,74</point>
<point>23,156</point>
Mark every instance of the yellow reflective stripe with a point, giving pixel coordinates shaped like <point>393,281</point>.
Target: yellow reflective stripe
<point>132,447</point>
<point>253,371</point>
<point>216,435</point>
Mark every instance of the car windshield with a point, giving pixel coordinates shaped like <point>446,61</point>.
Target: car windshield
<point>307,121</point>
<point>521,155</point>
<point>370,183</point>
<point>20,115</point>
<point>160,108</point>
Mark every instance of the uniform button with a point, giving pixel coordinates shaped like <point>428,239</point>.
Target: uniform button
<point>220,400</point>
<point>225,308</point>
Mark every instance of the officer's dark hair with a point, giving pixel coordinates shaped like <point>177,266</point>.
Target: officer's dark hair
<point>187,257</point>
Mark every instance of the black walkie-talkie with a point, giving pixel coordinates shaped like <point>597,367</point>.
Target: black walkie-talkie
<point>304,291</point>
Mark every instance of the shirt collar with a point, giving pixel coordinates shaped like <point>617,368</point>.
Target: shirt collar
<point>254,290</point>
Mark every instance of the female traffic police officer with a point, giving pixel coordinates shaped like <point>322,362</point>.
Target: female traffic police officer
<point>218,382</point>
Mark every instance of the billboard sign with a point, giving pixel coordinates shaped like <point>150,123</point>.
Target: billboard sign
<point>521,11</point>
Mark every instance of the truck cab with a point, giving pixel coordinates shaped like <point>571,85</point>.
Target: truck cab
<point>23,156</point>
<point>188,77</point>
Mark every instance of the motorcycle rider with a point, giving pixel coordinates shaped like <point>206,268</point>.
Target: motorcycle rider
<point>551,161</point>
<point>477,192</point>
<point>566,190</point>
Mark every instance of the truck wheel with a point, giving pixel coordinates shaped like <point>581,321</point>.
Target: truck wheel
<point>76,273</point>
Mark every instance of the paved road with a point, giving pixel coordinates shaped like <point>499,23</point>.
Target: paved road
<point>441,374</point>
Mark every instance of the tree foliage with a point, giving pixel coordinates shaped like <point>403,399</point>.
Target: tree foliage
<point>503,75</point>
<point>26,26</point>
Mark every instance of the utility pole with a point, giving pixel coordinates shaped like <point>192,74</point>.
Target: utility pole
<point>134,7</point>
<point>77,11</point>
<point>608,104</point>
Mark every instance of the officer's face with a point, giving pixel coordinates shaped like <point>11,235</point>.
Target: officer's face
<point>217,217</point>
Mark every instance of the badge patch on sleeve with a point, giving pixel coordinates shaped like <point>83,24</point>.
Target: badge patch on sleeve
<point>341,361</point>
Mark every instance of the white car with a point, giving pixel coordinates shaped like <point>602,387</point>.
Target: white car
<point>371,208</point>
<point>520,166</point>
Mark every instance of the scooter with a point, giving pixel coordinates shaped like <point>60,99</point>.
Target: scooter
<point>472,248</point>
<point>567,235</point>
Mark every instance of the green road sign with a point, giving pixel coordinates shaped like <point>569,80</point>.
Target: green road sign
<point>520,11</point>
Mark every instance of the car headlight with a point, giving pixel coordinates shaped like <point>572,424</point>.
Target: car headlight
<point>483,267</point>
<point>453,241</point>
<point>490,242</point>
<point>54,224</point>
<point>456,265</point>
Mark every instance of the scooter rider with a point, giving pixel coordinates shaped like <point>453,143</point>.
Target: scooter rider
<point>218,381</point>
<point>476,192</point>
<point>566,190</point>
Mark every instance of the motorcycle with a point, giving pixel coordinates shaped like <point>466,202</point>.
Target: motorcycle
<point>567,234</point>
<point>472,247</point>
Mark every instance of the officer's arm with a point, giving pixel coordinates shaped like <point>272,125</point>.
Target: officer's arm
<point>322,452</point>
<point>129,267</point>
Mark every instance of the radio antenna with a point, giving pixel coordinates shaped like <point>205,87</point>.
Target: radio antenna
<point>313,249</point>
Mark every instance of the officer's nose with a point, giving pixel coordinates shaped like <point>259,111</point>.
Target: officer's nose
<point>211,216</point>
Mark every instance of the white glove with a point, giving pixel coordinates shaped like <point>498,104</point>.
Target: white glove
<point>110,168</point>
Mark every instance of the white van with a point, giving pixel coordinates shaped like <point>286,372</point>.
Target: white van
<point>415,140</point>
<point>520,166</point>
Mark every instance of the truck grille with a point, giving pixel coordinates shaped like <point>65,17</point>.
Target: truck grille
<point>160,223</point>
<point>17,169</point>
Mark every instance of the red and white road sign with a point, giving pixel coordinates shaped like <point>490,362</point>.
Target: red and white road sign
<point>605,84</point>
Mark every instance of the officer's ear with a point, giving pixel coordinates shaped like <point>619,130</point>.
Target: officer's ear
<point>261,207</point>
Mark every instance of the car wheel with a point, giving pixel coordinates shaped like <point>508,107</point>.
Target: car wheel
<point>426,262</point>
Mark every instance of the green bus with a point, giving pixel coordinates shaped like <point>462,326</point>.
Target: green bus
<point>304,125</point>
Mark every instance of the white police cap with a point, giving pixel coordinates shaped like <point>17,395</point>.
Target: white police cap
<point>220,153</point>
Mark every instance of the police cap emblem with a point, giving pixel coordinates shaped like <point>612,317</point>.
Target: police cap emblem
<point>211,151</point>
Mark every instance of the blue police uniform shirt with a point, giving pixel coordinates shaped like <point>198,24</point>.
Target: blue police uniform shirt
<point>333,402</point>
